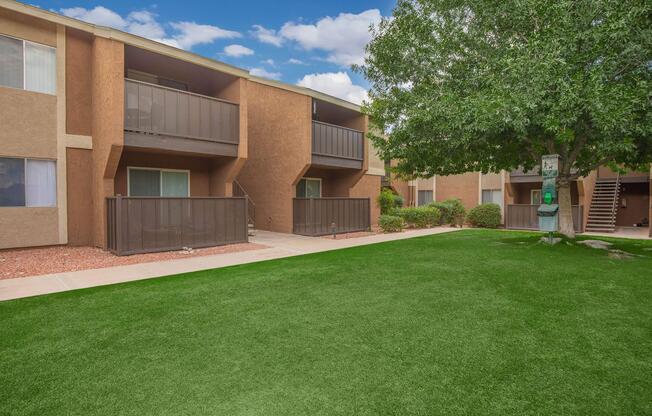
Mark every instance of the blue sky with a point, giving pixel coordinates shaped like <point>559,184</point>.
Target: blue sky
<point>312,43</point>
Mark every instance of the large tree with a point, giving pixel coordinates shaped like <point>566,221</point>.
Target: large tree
<point>466,85</point>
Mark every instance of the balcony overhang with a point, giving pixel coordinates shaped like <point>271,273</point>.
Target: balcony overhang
<point>191,146</point>
<point>326,161</point>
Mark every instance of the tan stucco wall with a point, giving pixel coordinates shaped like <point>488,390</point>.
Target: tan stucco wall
<point>606,172</point>
<point>80,206</point>
<point>79,116</point>
<point>464,186</point>
<point>585,187</point>
<point>28,28</point>
<point>28,123</point>
<point>108,126</point>
<point>368,187</point>
<point>279,129</point>
<point>28,128</point>
<point>27,227</point>
<point>491,181</point>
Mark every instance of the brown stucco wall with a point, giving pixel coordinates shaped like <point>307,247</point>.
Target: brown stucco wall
<point>200,170</point>
<point>28,28</point>
<point>79,48</point>
<point>368,187</point>
<point>108,126</point>
<point>585,187</point>
<point>464,186</point>
<point>637,198</point>
<point>606,172</point>
<point>279,129</point>
<point>79,164</point>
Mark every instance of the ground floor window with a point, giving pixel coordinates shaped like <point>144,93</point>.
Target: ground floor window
<point>309,188</point>
<point>425,197</point>
<point>492,196</point>
<point>158,182</point>
<point>27,182</point>
<point>535,197</point>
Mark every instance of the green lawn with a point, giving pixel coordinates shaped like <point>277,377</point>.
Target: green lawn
<point>474,322</point>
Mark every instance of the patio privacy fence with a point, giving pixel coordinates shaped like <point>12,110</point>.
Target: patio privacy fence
<point>149,224</point>
<point>316,216</point>
<point>524,217</point>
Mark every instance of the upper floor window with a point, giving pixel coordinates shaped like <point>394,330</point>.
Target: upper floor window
<point>27,65</point>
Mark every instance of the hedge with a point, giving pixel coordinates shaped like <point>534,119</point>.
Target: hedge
<point>485,216</point>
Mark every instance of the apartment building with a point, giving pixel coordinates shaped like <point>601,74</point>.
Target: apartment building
<point>120,142</point>
<point>601,201</point>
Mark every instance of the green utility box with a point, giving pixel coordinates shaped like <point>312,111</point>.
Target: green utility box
<point>548,217</point>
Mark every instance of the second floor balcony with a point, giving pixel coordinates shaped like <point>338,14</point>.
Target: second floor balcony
<point>337,146</point>
<point>163,118</point>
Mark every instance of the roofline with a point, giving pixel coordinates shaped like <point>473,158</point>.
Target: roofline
<point>163,49</point>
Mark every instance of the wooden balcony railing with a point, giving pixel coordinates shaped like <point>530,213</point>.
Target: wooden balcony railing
<point>157,110</point>
<point>524,217</point>
<point>317,216</point>
<point>336,145</point>
<point>149,224</point>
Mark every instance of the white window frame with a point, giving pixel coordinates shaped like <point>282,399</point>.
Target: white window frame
<point>24,68</point>
<point>310,179</point>
<point>56,193</point>
<point>160,180</point>
<point>532,191</point>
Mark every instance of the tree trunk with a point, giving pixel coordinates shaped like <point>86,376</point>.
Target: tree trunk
<point>565,209</point>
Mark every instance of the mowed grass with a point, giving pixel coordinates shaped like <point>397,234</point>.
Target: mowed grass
<point>473,322</point>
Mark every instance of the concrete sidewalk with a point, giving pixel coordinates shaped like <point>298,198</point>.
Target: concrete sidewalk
<point>280,246</point>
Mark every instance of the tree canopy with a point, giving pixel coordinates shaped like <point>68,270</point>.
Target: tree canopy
<point>482,85</point>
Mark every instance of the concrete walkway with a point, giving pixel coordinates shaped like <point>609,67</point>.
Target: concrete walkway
<point>280,246</point>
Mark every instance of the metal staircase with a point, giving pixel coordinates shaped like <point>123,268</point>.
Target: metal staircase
<point>604,206</point>
<point>238,190</point>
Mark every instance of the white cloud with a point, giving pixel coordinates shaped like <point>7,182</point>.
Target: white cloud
<point>344,37</point>
<point>263,73</point>
<point>143,23</point>
<point>269,62</point>
<point>295,61</point>
<point>238,50</point>
<point>337,84</point>
<point>267,35</point>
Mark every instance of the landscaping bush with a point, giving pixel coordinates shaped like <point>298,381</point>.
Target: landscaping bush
<point>452,211</point>
<point>485,216</point>
<point>387,201</point>
<point>419,217</point>
<point>390,223</point>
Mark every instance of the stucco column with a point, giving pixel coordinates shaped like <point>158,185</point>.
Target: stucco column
<point>108,126</point>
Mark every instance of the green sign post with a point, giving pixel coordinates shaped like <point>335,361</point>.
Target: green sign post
<point>549,209</point>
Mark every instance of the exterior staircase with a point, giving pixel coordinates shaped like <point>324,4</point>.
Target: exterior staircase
<point>604,206</point>
<point>238,190</point>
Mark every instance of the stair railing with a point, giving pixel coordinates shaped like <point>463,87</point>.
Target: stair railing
<point>239,191</point>
<point>616,195</point>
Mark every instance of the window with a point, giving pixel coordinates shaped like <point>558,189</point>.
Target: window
<point>425,197</point>
<point>27,183</point>
<point>535,197</point>
<point>492,196</point>
<point>27,65</point>
<point>158,182</point>
<point>309,188</point>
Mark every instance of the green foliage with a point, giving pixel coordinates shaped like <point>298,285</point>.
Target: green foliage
<point>387,200</point>
<point>485,216</point>
<point>419,217</point>
<point>452,211</point>
<point>390,223</point>
<point>484,86</point>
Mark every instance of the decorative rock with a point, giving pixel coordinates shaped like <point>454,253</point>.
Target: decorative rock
<point>555,240</point>
<point>599,244</point>
<point>620,255</point>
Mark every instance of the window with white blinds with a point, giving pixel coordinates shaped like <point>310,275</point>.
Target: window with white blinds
<point>27,182</point>
<point>27,65</point>
<point>492,196</point>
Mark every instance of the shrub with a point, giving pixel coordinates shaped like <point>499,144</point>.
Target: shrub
<point>390,223</point>
<point>419,217</point>
<point>452,211</point>
<point>387,200</point>
<point>485,215</point>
